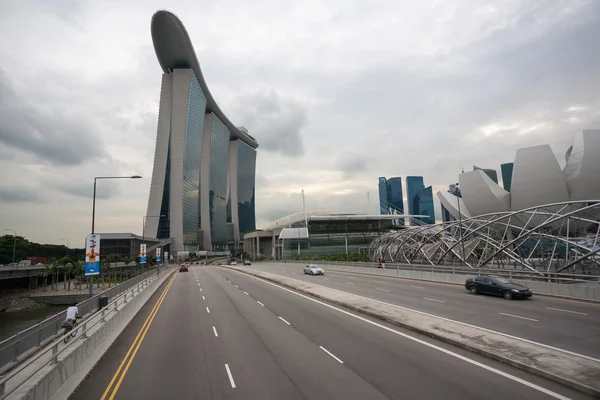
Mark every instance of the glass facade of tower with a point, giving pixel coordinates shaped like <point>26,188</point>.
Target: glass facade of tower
<point>390,196</point>
<point>394,192</point>
<point>420,199</point>
<point>164,223</point>
<point>219,159</point>
<point>383,196</point>
<point>194,126</point>
<point>414,184</point>
<point>246,164</point>
<point>507,171</point>
<point>424,205</point>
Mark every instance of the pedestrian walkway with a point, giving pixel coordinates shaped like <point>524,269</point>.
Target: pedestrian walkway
<point>20,378</point>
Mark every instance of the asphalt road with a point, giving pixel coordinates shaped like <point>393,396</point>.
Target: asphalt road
<point>220,334</point>
<point>562,323</point>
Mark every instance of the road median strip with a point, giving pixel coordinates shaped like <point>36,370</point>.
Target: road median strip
<point>579,372</point>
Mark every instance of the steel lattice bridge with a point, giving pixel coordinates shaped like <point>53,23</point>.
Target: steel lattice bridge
<point>550,238</point>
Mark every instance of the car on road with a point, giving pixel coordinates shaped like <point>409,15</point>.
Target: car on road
<point>312,269</point>
<point>233,263</point>
<point>183,268</point>
<point>497,286</point>
<point>247,262</point>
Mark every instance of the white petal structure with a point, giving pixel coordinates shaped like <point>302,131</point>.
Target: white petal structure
<point>481,194</point>
<point>582,171</point>
<point>451,201</point>
<point>537,178</point>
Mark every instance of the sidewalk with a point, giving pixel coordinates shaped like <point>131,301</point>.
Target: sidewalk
<point>29,377</point>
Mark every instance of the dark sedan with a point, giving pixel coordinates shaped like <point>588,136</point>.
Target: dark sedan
<point>497,286</point>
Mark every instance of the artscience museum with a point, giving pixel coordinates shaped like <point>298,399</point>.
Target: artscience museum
<point>548,220</point>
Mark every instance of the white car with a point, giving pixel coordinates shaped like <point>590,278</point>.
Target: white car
<point>313,270</point>
<point>233,263</point>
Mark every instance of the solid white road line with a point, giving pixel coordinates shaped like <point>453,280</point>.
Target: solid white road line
<point>416,287</point>
<point>246,293</point>
<point>430,345</point>
<point>203,298</point>
<point>569,311</point>
<point>230,376</point>
<point>325,279</point>
<point>207,310</point>
<point>331,354</point>
<point>438,301</point>
<point>284,321</point>
<point>517,316</point>
<point>349,283</point>
<point>260,303</point>
<point>215,331</point>
<point>383,290</point>
<point>379,281</point>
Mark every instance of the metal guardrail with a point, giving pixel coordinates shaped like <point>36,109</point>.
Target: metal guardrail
<point>508,273</point>
<point>82,330</point>
<point>39,334</point>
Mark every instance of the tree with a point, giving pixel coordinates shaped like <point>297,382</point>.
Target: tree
<point>78,271</point>
<point>45,274</point>
<point>52,270</point>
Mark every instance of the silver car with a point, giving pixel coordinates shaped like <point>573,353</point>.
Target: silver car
<point>313,270</point>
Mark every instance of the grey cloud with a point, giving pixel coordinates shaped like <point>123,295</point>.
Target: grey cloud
<point>350,163</point>
<point>19,195</point>
<point>275,121</point>
<point>104,189</point>
<point>51,136</point>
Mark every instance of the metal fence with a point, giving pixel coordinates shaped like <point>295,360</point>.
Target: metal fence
<point>505,272</point>
<point>39,334</point>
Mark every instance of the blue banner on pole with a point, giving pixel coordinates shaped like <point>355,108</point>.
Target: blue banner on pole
<point>143,253</point>
<point>92,255</point>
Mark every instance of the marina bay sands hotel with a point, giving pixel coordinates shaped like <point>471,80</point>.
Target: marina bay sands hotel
<point>202,189</point>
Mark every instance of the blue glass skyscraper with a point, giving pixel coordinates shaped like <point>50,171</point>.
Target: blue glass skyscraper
<point>390,195</point>
<point>383,209</point>
<point>420,199</point>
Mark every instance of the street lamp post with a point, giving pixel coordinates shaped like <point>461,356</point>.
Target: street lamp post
<point>94,207</point>
<point>14,243</point>
<point>462,243</point>
<point>66,240</point>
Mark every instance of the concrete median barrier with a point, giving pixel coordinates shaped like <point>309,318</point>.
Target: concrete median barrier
<point>577,371</point>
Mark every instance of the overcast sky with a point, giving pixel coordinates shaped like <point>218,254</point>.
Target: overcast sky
<point>336,92</point>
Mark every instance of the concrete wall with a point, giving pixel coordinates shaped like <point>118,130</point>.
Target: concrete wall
<point>160,155</point>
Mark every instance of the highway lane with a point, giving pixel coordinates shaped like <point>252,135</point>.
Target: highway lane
<point>242,338</point>
<point>565,324</point>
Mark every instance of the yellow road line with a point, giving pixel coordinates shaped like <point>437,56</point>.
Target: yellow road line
<point>116,389</point>
<point>146,323</point>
